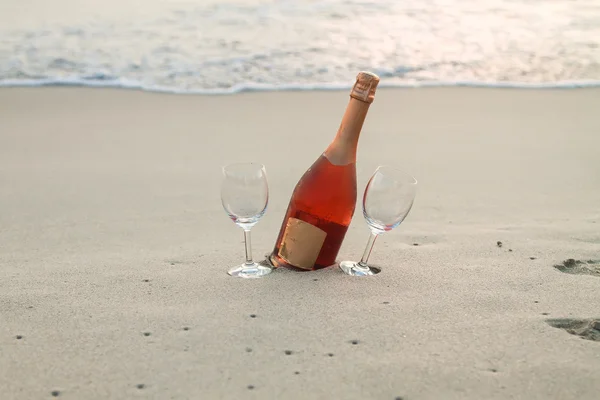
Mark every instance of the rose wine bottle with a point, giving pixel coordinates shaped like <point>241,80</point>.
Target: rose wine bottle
<point>323,201</point>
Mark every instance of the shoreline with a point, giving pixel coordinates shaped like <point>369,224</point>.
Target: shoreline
<point>294,88</point>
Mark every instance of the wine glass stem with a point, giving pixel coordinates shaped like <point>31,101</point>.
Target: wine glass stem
<point>367,253</point>
<point>248,243</point>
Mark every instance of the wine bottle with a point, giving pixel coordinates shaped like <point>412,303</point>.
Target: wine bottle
<point>324,199</point>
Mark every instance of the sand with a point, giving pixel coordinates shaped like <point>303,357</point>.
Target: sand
<point>114,247</point>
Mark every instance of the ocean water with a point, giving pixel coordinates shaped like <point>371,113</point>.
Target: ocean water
<point>208,46</point>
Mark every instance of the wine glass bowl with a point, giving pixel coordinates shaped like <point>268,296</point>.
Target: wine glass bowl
<point>387,200</point>
<point>245,196</point>
<point>245,192</point>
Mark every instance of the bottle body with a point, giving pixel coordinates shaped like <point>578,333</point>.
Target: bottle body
<point>317,217</point>
<point>324,199</point>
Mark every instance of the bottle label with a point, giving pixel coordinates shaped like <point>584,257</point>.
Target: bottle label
<point>301,243</point>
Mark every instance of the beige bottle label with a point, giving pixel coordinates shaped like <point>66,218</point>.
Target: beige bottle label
<point>301,243</point>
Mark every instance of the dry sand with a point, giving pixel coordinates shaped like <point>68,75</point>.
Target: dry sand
<point>114,247</point>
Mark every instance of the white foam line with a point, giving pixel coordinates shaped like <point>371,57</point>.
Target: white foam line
<point>257,87</point>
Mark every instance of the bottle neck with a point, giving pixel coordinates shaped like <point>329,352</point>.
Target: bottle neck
<point>342,150</point>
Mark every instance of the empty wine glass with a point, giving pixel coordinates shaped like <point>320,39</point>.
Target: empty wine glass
<point>387,200</point>
<point>245,195</point>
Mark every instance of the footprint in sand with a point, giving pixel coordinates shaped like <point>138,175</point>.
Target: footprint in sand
<point>585,328</point>
<point>578,267</point>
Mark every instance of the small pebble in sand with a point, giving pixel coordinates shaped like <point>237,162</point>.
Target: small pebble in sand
<point>354,341</point>
<point>140,386</point>
<point>55,393</point>
<point>297,373</point>
<point>250,387</point>
<point>252,315</point>
<point>499,243</point>
<point>545,313</point>
<point>146,280</point>
<point>147,334</point>
<point>185,328</point>
<point>570,263</point>
<point>19,337</point>
<point>248,350</point>
<point>509,249</point>
<point>288,352</point>
<point>415,244</point>
<point>330,354</point>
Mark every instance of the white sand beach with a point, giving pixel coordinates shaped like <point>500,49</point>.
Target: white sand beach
<point>114,248</point>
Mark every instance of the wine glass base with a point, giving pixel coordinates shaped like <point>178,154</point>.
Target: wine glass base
<point>354,269</point>
<point>253,270</point>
